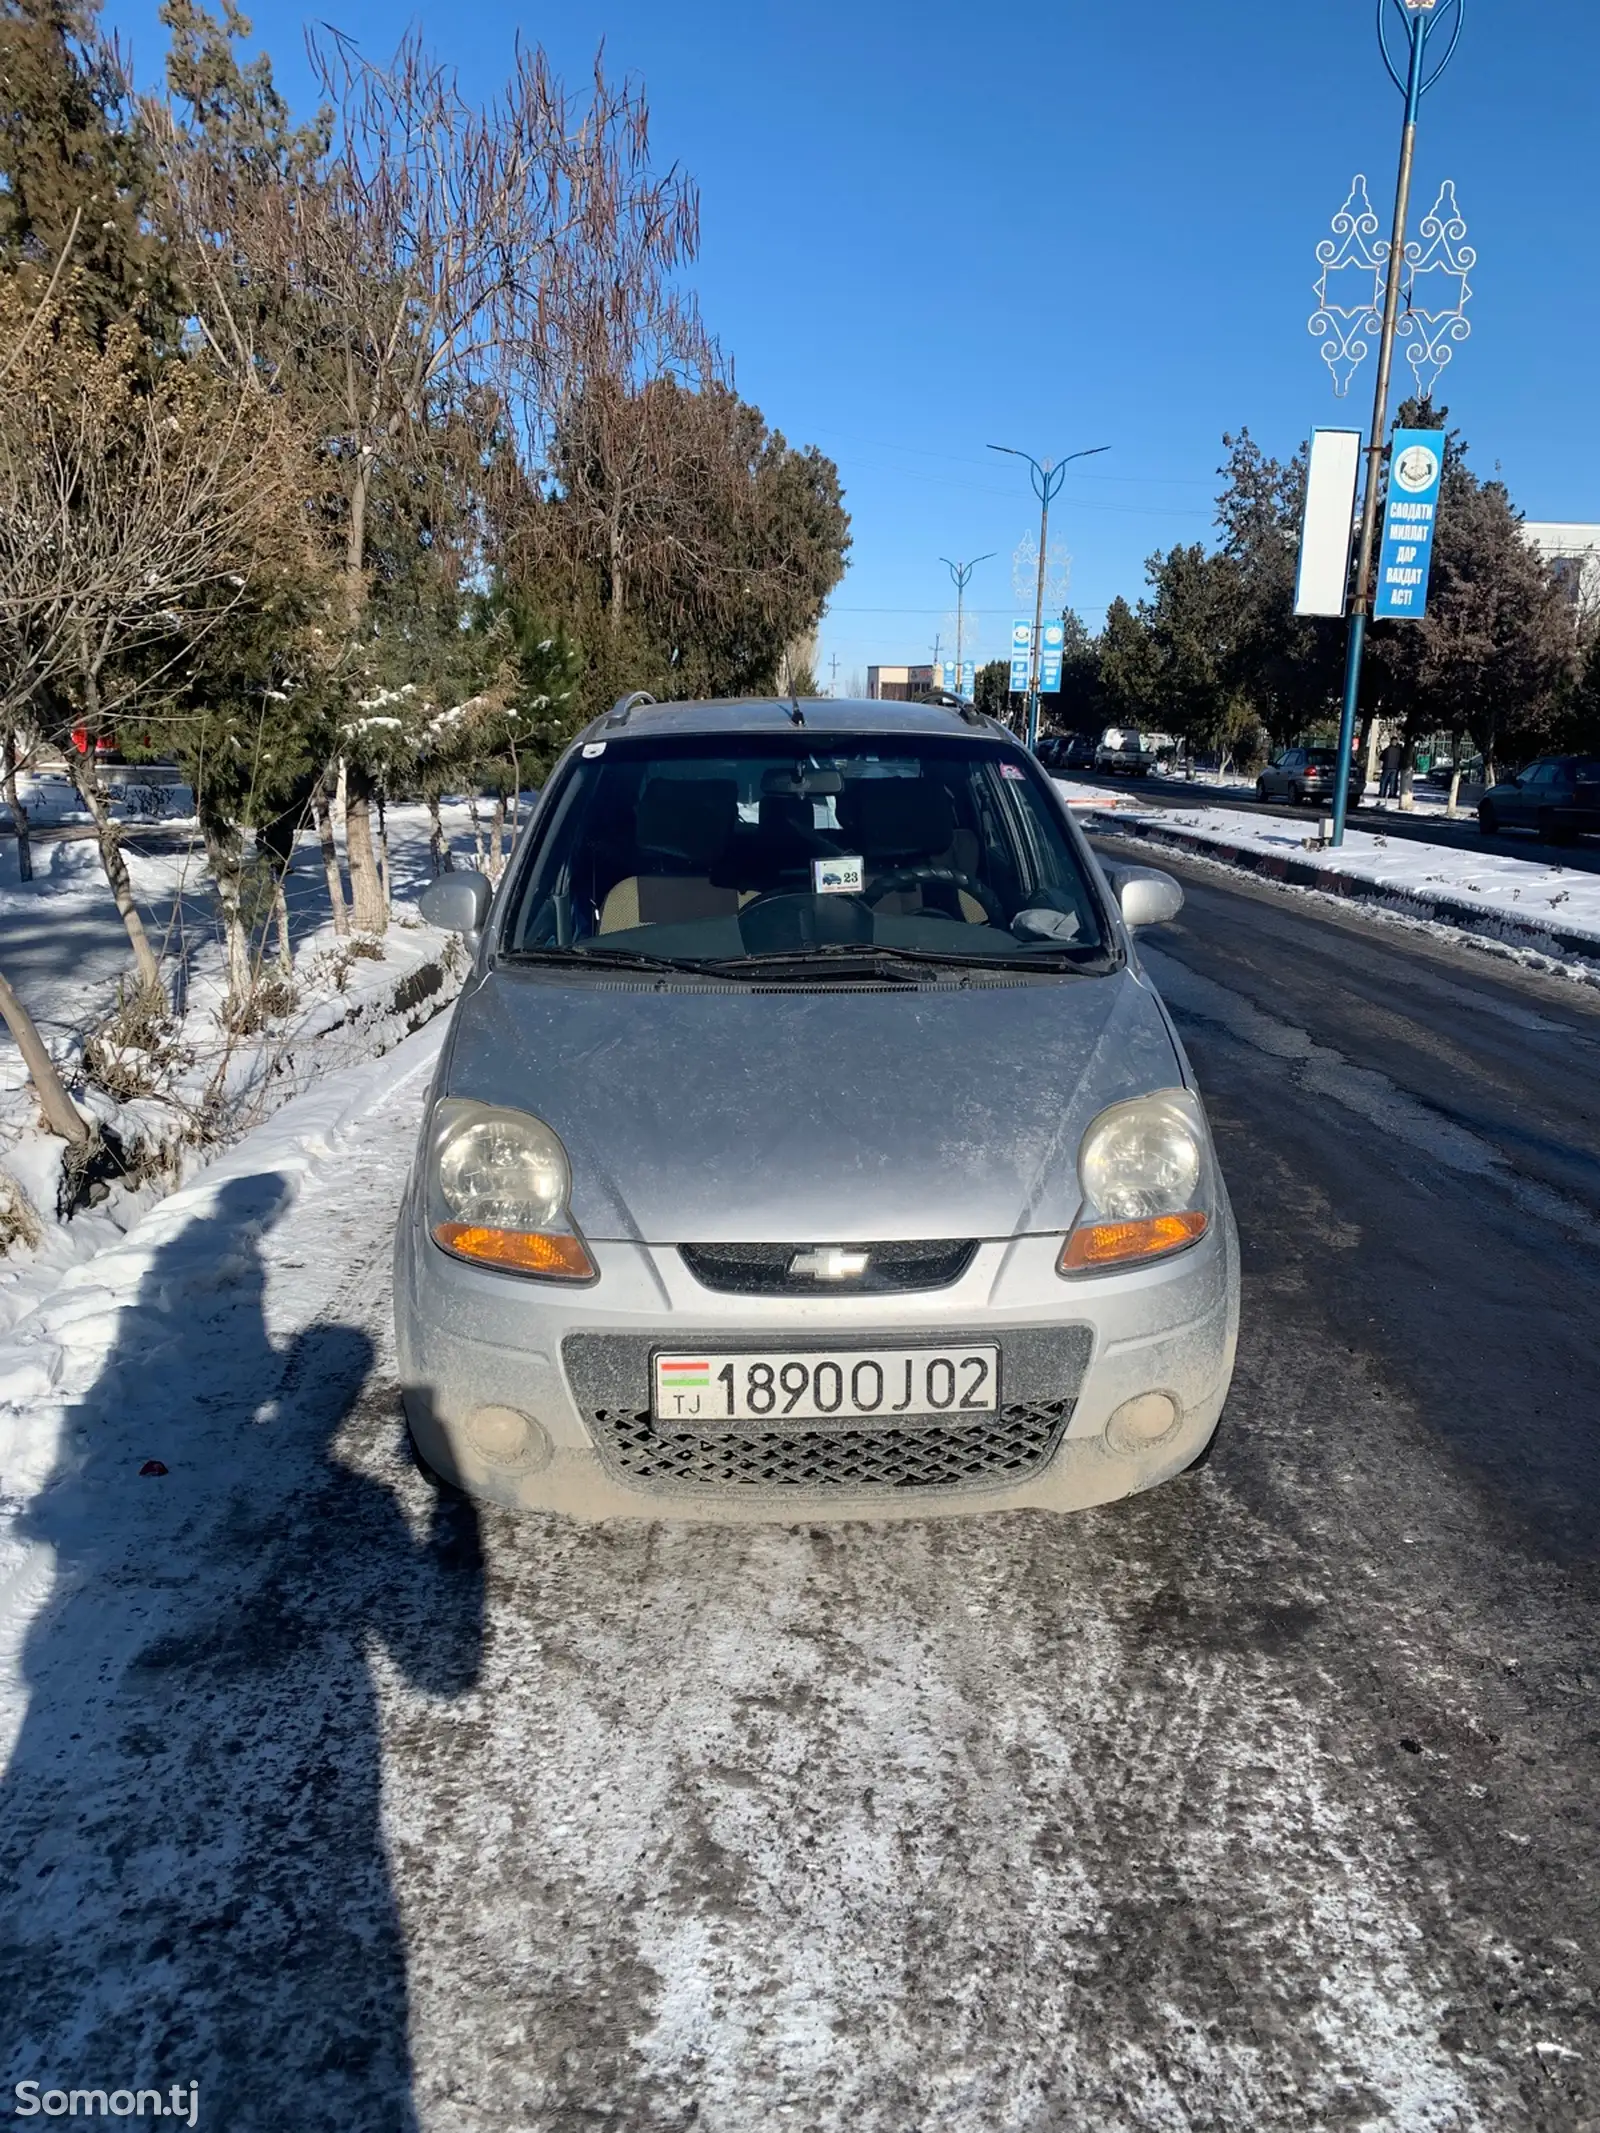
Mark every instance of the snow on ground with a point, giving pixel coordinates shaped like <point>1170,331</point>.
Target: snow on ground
<point>64,948</point>
<point>1219,787</point>
<point>365,1809</point>
<point>1532,895</point>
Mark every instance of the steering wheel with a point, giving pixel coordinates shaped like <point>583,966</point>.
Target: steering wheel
<point>914,877</point>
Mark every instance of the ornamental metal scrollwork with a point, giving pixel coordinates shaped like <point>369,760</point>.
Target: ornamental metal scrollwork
<point>1437,325</point>
<point>1356,252</point>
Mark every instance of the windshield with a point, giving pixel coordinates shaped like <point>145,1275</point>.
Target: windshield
<point>720,852</point>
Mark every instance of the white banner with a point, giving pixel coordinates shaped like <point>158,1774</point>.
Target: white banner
<point>1323,586</point>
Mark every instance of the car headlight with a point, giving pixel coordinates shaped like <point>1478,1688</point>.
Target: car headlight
<point>498,1184</point>
<point>1144,1171</point>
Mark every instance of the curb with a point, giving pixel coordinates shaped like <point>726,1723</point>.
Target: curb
<point>1498,926</point>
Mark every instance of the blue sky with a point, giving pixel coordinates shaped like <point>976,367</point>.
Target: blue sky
<point>928,229</point>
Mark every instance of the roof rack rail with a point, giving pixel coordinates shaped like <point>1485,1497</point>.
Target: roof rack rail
<point>625,706</point>
<point>942,700</point>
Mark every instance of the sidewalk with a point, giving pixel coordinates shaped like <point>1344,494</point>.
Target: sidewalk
<point>1533,904</point>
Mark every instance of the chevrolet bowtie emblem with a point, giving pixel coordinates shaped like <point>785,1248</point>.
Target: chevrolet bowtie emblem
<point>829,1262</point>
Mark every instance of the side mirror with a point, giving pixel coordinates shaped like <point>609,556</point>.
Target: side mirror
<point>456,903</point>
<point>1147,896</point>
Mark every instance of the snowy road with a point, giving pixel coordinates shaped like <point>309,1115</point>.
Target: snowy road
<point>1428,825</point>
<point>1263,1801</point>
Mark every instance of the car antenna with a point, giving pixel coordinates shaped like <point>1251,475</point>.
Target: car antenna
<point>796,716</point>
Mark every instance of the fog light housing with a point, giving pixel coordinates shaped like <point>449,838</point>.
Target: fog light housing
<point>1139,1423</point>
<point>507,1438</point>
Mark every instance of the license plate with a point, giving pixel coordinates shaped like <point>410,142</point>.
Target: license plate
<point>849,1384</point>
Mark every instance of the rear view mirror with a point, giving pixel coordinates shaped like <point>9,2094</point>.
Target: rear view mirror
<point>802,783</point>
<point>456,903</point>
<point>1147,896</point>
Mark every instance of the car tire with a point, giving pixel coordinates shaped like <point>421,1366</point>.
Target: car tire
<point>1488,820</point>
<point>1295,796</point>
<point>1261,788</point>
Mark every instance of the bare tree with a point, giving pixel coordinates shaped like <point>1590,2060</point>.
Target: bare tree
<point>131,514</point>
<point>439,253</point>
<point>61,1114</point>
<point>16,749</point>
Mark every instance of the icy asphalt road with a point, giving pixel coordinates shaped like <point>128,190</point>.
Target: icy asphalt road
<point>1264,1801</point>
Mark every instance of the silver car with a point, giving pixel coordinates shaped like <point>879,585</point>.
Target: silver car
<point>809,1141</point>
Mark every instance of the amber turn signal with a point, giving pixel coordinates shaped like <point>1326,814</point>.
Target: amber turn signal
<point>1107,1244</point>
<point>552,1253</point>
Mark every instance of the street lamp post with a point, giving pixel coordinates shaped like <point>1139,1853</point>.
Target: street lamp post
<point>1424,20</point>
<point>961,577</point>
<point>1047,480</point>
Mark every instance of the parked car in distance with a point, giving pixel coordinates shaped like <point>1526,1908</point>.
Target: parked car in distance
<point>809,1140</point>
<point>1558,797</point>
<point>1126,749</point>
<point>1061,752</point>
<point>1299,775</point>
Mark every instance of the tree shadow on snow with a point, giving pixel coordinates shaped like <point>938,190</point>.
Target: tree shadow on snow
<point>192,1812</point>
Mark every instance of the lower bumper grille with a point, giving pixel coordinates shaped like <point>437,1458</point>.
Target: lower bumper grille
<point>1042,1370</point>
<point>1008,1446</point>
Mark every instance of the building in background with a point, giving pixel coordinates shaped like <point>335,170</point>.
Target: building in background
<point>899,685</point>
<point>1573,553</point>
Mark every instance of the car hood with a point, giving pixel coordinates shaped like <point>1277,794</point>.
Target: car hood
<point>840,1116</point>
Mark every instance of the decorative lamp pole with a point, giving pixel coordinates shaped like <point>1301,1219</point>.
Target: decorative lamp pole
<point>1047,480</point>
<point>961,578</point>
<point>1425,22</point>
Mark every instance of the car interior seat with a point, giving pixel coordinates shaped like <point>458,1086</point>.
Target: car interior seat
<point>682,827</point>
<point>902,822</point>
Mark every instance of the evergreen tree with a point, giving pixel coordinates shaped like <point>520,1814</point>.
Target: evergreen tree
<point>992,690</point>
<point>1497,650</point>
<point>1125,666</point>
<point>75,168</point>
<point>686,543</point>
<point>1286,671</point>
<point>1077,706</point>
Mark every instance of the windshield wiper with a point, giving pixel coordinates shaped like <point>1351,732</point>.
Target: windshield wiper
<point>838,959</point>
<point>607,959</point>
<point>853,959</point>
<point>864,958</point>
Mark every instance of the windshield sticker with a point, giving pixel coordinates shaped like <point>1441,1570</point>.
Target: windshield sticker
<point>1013,770</point>
<point>838,877</point>
<point>593,748</point>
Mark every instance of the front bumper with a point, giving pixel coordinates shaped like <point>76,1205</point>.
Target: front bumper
<point>475,1344</point>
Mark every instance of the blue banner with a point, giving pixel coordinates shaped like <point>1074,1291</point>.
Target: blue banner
<point>1021,657</point>
<point>1055,639</point>
<point>1416,468</point>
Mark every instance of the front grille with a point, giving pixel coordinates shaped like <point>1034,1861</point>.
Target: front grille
<point>763,1269</point>
<point>1042,1369</point>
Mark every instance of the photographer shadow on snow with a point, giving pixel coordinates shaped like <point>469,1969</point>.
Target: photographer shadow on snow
<point>191,1819</point>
